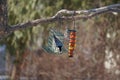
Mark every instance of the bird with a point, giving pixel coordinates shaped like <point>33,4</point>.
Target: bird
<point>58,43</point>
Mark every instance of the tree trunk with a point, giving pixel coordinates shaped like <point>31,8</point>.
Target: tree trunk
<point>3,16</point>
<point>15,75</point>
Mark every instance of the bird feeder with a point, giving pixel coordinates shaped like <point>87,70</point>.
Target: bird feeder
<point>72,42</point>
<point>51,47</point>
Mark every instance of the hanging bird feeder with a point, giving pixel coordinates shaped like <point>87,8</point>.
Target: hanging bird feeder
<point>55,42</point>
<point>72,39</point>
<point>72,42</point>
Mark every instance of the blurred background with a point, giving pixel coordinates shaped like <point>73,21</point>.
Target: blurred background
<point>97,53</point>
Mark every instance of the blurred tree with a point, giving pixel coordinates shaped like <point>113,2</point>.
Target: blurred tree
<point>18,41</point>
<point>24,10</point>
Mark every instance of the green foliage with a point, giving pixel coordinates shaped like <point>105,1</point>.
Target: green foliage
<point>22,11</point>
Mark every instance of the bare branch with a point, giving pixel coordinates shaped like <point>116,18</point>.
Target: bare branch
<point>80,14</point>
<point>96,10</point>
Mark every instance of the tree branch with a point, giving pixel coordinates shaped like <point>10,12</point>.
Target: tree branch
<point>66,15</point>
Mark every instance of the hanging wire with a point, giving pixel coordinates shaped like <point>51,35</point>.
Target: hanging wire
<point>74,26</point>
<point>59,23</point>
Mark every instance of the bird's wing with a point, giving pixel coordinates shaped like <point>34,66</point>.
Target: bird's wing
<point>57,41</point>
